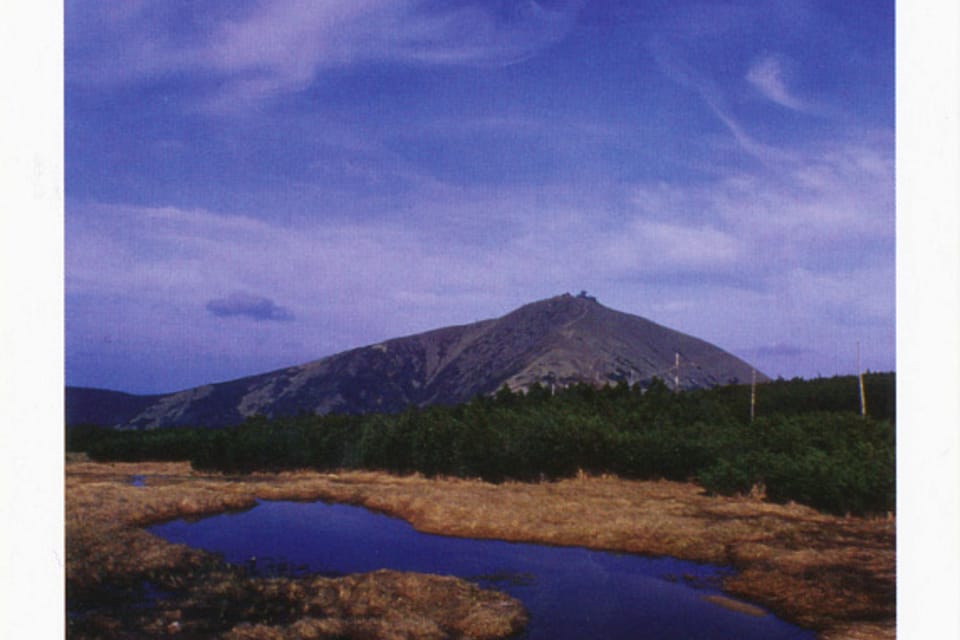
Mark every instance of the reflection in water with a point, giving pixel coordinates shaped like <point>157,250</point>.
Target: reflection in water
<point>569,592</point>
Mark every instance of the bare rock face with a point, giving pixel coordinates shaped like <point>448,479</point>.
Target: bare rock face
<point>555,342</point>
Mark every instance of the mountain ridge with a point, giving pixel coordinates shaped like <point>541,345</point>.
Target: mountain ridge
<point>557,341</point>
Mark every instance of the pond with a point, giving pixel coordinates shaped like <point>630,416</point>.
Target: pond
<point>569,592</point>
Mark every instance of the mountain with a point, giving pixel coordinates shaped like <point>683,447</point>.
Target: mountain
<point>559,341</point>
<point>100,406</point>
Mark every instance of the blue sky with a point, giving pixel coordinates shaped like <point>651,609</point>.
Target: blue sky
<point>252,185</point>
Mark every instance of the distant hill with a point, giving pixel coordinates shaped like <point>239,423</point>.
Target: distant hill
<point>100,406</point>
<point>559,341</point>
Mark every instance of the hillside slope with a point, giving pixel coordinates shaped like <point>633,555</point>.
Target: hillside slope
<point>557,341</point>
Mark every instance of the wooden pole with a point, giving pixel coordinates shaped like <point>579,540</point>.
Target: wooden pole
<point>863,395</point>
<point>676,373</point>
<point>753,395</point>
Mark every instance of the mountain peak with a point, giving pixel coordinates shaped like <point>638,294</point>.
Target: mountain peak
<point>558,341</point>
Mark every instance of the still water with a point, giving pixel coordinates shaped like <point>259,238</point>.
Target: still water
<point>569,592</point>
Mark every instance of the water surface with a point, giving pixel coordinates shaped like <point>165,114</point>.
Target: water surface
<point>570,592</point>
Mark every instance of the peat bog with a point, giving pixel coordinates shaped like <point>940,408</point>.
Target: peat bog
<point>831,574</point>
<point>569,592</point>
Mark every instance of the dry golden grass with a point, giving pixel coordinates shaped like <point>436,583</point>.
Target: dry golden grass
<point>836,575</point>
<point>107,549</point>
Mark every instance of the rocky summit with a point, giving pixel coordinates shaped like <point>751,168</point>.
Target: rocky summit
<point>554,342</point>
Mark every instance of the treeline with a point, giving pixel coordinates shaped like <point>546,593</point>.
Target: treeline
<point>808,442</point>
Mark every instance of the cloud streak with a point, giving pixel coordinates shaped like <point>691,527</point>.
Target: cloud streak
<point>767,76</point>
<point>280,46</point>
<point>672,63</point>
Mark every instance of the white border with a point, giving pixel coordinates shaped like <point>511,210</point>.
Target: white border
<point>928,322</point>
<point>31,320</point>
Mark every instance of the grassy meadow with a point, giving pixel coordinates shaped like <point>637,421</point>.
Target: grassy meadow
<point>830,573</point>
<point>110,556</point>
<point>799,501</point>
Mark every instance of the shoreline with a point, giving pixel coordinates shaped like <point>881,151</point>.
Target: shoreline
<point>831,574</point>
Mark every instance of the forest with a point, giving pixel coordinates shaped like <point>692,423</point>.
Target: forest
<point>805,442</point>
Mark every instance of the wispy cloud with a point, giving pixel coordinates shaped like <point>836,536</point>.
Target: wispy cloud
<point>476,34</point>
<point>767,76</point>
<point>263,49</point>
<point>650,247</point>
<point>827,196</point>
<point>673,64</point>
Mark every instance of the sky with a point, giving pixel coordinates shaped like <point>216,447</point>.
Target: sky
<point>254,185</point>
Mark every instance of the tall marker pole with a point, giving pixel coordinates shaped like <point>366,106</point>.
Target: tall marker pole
<point>676,373</point>
<point>753,395</point>
<point>863,395</point>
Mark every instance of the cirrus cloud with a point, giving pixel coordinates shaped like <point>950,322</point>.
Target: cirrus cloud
<point>261,49</point>
<point>767,76</point>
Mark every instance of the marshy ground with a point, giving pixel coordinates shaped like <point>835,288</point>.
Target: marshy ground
<point>832,574</point>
